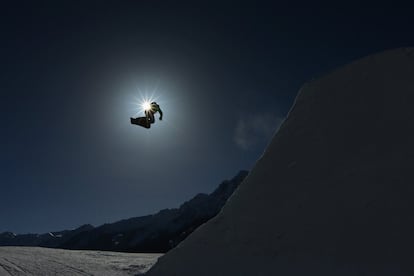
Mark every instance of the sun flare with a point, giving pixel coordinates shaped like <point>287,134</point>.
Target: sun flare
<point>143,100</point>
<point>146,105</point>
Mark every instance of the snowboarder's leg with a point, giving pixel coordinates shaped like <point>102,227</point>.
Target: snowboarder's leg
<point>150,116</point>
<point>141,121</point>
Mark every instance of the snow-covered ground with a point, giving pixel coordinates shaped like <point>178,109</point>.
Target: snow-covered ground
<point>46,261</point>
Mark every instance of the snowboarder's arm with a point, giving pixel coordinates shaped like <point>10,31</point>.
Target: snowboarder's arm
<point>160,111</point>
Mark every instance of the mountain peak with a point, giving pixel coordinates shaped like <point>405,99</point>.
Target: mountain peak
<point>152,233</point>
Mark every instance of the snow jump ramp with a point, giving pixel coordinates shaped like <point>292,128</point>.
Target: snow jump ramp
<point>333,194</point>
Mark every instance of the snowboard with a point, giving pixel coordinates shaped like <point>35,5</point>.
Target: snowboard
<point>141,121</point>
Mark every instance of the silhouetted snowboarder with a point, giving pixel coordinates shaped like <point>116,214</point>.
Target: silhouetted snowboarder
<point>149,116</point>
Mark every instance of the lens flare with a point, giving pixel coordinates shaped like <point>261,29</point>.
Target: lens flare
<point>142,102</point>
<point>146,105</point>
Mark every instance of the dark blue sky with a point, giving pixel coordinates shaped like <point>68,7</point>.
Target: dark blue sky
<point>224,74</point>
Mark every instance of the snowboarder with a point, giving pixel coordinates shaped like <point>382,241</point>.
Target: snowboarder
<point>149,118</point>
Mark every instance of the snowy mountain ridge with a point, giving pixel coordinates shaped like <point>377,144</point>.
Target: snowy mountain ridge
<point>152,233</point>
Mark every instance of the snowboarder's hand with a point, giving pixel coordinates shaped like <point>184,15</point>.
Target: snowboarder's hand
<point>160,118</point>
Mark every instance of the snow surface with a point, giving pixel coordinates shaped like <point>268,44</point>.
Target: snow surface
<point>333,192</point>
<point>46,261</point>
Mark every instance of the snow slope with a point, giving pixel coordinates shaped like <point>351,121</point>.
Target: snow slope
<point>46,261</point>
<point>333,192</point>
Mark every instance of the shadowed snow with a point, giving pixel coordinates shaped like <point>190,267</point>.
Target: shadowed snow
<point>333,192</point>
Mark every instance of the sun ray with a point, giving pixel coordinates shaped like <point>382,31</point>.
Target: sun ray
<point>145,97</point>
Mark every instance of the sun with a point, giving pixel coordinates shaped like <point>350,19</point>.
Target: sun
<point>146,105</point>
<point>143,100</point>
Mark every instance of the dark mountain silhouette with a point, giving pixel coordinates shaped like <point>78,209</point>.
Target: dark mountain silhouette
<point>152,233</point>
<point>51,239</point>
